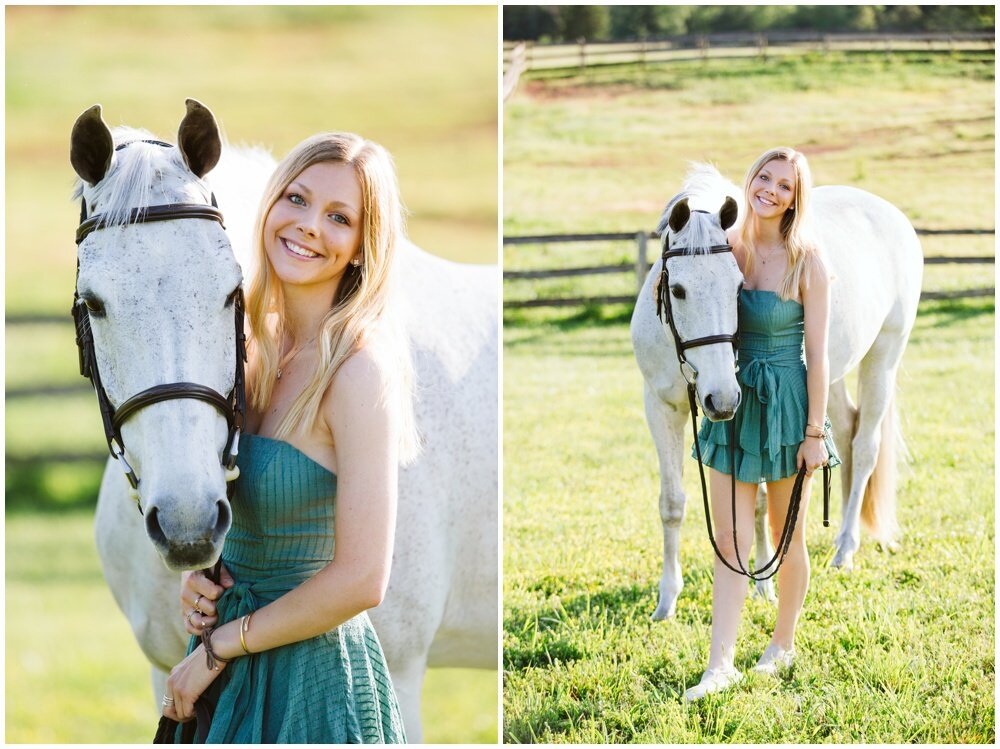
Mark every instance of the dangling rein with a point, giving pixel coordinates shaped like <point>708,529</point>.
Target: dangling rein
<point>665,312</point>
<point>793,503</point>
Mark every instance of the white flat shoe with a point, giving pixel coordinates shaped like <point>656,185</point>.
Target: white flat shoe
<point>712,681</point>
<point>774,658</point>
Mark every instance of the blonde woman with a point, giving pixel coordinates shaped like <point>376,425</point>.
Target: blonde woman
<point>330,418</point>
<point>781,423</point>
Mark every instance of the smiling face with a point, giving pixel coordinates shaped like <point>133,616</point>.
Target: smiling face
<point>772,190</point>
<point>314,229</point>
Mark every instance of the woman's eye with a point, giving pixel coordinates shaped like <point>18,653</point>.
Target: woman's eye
<point>340,218</point>
<point>296,198</point>
<point>764,177</point>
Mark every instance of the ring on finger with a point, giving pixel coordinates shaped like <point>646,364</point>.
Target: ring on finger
<point>189,615</point>
<point>167,700</point>
<point>200,596</point>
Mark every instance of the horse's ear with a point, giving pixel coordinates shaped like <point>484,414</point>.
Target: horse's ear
<point>91,146</point>
<point>730,210</point>
<point>198,138</point>
<point>679,215</point>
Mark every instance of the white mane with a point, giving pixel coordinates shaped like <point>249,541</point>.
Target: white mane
<point>706,190</point>
<point>128,182</point>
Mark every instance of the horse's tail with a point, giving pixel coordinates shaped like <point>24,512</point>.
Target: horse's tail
<point>878,508</point>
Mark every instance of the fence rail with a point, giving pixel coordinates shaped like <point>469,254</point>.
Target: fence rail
<point>641,267</point>
<point>740,45</point>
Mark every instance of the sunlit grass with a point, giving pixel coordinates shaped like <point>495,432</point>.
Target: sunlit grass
<point>900,650</point>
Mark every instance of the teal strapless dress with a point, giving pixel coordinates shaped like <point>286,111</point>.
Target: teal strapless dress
<point>771,420</point>
<point>331,689</point>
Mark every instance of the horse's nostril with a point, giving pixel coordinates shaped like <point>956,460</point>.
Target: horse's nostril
<point>223,517</point>
<point>153,528</point>
<point>709,406</point>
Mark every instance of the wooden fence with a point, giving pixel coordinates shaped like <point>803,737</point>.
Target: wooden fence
<point>642,263</point>
<point>740,45</point>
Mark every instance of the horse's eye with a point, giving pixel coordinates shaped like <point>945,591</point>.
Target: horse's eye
<point>94,305</point>
<point>678,291</point>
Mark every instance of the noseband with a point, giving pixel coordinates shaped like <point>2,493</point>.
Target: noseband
<point>664,309</point>
<point>232,407</point>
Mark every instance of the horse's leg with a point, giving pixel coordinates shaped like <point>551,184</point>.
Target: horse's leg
<point>762,546</point>
<point>666,425</point>
<point>843,418</point>
<point>159,679</point>
<point>874,434</point>
<point>408,681</point>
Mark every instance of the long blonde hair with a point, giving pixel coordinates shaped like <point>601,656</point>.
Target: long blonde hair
<point>796,230</point>
<point>362,315</point>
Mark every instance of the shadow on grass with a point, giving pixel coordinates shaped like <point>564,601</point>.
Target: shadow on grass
<point>588,316</point>
<point>952,311</point>
<point>51,487</point>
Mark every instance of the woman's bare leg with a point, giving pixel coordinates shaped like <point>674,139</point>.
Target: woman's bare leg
<point>729,589</point>
<point>793,578</point>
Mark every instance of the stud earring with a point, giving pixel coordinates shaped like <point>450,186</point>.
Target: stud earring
<point>356,261</point>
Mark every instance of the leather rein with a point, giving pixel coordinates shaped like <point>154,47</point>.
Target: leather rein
<point>232,407</point>
<point>664,311</point>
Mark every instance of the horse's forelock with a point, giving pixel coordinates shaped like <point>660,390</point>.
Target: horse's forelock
<point>698,234</point>
<point>128,183</point>
<point>706,190</point>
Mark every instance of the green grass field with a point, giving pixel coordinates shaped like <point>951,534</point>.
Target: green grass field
<point>902,649</point>
<point>421,81</point>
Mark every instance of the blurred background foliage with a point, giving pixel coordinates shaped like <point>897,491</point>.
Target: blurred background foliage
<point>567,23</point>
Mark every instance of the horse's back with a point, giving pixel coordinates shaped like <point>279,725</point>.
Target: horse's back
<point>875,264</point>
<point>448,496</point>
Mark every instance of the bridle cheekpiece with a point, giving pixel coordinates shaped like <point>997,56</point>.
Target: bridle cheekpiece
<point>232,407</point>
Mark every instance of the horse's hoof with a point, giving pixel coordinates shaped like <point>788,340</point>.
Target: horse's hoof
<point>663,612</point>
<point>843,561</point>
<point>890,546</point>
<point>764,589</point>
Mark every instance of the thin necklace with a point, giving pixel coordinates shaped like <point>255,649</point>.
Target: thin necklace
<point>287,358</point>
<point>771,254</point>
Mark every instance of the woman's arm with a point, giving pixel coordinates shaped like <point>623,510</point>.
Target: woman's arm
<point>816,311</point>
<point>365,428</point>
<point>366,436</point>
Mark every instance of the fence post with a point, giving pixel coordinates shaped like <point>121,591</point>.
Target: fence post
<point>762,46</point>
<point>583,55</point>
<point>641,263</point>
<point>703,47</point>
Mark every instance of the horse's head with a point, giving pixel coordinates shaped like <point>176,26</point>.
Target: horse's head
<point>159,295</point>
<point>700,301</point>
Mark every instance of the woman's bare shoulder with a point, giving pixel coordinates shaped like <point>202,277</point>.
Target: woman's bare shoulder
<point>362,380</point>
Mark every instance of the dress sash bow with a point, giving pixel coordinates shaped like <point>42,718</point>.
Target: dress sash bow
<point>757,372</point>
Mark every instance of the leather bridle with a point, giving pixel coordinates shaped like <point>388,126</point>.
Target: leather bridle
<point>664,310</point>
<point>232,407</point>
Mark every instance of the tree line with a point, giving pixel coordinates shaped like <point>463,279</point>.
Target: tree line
<point>568,23</point>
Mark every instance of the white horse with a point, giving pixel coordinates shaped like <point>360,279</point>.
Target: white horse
<point>158,294</point>
<point>876,263</point>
